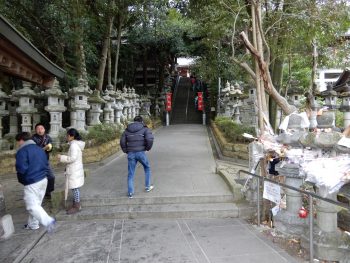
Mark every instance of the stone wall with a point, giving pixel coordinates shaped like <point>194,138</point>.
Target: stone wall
<point>90,155</point>
<point>233,150</point>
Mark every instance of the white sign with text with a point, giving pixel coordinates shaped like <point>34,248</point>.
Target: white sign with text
<point>272,192</point>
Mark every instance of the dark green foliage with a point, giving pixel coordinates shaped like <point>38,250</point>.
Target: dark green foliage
<point>233,131</point>
<point>102,133</point>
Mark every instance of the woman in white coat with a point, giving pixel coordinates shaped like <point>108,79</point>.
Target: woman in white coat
<point>74,168</point>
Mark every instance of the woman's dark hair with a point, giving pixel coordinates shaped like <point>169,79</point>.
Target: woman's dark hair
<point>74,133</point>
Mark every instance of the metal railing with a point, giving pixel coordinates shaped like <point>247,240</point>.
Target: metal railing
<point>310,196</point>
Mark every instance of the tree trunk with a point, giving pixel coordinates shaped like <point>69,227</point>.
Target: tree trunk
<point>102,67</point>
<point>144,69</point>
<point>257,74</point>
<point>117,51</point>
<point>313,87</point>
<point>266,77</point>
<point>277,77</point>
<point>109,64</point>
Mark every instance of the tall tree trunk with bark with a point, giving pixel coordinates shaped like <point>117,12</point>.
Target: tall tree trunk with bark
<point>117,51</point>
<point>102,67</point>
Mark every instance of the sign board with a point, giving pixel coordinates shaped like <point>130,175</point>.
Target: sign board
<point>272,192</point>
<point>168,101</point>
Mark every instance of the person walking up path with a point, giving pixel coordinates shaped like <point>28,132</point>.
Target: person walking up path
<point>32,168</point>
<point>135,140</point>
<point>74,169</point>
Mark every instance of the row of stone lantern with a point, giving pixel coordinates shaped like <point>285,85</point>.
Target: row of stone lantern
<point>85,107</point>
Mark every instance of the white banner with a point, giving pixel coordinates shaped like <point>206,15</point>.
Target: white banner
<point>272,192</point>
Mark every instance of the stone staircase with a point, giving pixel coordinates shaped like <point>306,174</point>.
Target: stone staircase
<point>194,206</point>
<point>184,107</point>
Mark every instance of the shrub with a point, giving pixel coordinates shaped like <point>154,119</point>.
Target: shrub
<point>233,131</point>
<point>102,133</point>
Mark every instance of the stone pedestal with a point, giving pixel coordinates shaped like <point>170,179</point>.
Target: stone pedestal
<point>329,242</point>
<point>55,107</point>
<point>12,106</point>
<point>95,101</point>
<point>3,112</point>
<point>26,106</point>
<point>288,221</point>
<point>79,104</point>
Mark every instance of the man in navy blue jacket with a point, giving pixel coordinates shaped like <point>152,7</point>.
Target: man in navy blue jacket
<point>32,169</point>
<point>135,140</point>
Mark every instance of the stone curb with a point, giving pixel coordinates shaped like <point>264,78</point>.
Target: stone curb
<point>235,188</point>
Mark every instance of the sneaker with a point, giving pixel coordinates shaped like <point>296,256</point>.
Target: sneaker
<point>130,195</point>
<point>26,226</point>
<point>51,227</point>
<point>150,188</point>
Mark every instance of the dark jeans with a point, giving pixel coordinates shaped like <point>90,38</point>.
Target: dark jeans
<point>133,158</point>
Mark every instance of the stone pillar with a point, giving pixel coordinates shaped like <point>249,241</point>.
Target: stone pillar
<point>3,112</point>
<point>288,221</point>
<point>12,106</point>
<point>26,105</point>
<point>55,107</point>
<point>95,101</point>
<point>345,107</point>
<point>79,104</point>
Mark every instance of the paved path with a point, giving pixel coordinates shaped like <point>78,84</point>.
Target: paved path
<point>182,164</point>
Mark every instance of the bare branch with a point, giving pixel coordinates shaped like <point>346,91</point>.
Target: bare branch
<point>265,76</point>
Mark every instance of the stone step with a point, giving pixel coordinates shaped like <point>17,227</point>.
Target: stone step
<point>138,211</point>
<point>149,200</point>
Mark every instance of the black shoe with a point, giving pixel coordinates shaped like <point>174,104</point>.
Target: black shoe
<point>48,196</point>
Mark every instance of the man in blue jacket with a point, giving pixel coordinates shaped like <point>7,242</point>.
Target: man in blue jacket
<point>32,169</point>
<point>135,140</point>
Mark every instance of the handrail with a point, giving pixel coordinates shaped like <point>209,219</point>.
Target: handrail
<point>298,190</point>
<point>310,195</point>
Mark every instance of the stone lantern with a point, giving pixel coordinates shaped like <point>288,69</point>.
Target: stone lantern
<point>79,104</point>
<point>345,107</point>
<point>55,107</point>
<point>95,111</point>
<point>3,112</point>
<point>137,104</point>
<point>295,93</point>
<point>12,108</point>
<point>119,105</point>
<point>288,221</point>
<point>26,105</point>
<point>131,104</point>
<point>108,110</point>
<point>126,103</point>
<point>330,97</point>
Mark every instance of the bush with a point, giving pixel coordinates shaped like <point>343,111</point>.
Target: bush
<point>102,133</point>
<point>96,135</point>
<point>233,131</point>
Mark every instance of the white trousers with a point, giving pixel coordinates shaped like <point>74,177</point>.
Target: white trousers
<point>33,197</point>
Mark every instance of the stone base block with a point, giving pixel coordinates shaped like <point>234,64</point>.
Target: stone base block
<point>334,246</point>
<point>6,226</point>
<point>289,223</point>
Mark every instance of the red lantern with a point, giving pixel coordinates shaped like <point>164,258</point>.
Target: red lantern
<point>168,102</point>
<point>200,100</point>
<point>303,213</point>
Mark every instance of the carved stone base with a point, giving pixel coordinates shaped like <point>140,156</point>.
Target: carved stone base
<point>290,224</point>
